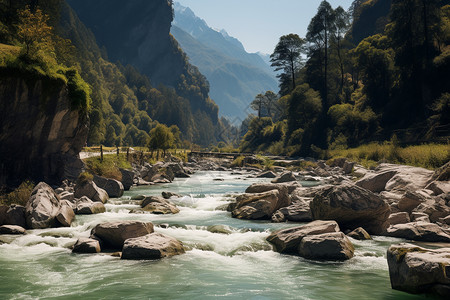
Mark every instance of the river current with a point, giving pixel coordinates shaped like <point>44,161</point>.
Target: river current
<point>238,265</point>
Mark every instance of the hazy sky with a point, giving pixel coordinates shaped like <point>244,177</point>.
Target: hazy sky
<point>258,24</point>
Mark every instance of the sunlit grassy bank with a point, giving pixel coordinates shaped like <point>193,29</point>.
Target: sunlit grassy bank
<point>428,156</point>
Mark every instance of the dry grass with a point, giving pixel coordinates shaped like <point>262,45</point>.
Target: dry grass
<point>430,156</point>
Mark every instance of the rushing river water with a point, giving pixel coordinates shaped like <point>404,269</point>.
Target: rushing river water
<point>240,265</point>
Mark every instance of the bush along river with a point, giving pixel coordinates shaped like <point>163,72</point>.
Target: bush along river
<point>225,257</point>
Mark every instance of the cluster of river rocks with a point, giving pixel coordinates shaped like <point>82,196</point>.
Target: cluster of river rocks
<point>392,200</point>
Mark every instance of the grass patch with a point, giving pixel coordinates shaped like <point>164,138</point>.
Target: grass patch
<point>430,156</point>
<point>84,178</point>
<point>238,162</point>
<point>109,167</point>
<point>19,196</point>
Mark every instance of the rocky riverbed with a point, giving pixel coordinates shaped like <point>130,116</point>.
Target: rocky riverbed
<point>190,220</point>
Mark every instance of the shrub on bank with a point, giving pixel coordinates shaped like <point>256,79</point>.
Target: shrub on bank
<point>19,196</point>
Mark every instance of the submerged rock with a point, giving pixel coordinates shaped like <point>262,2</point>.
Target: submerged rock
<point>42,207</point>
<point>158,205</point>
<point>419,270</point>
<point>151,246</point>
<point>288,240</point>
<point>351,206</point>
<point>114,234</point>
<point>86,206</point>
<point>419,231</point>
<point>223,229</point>
<point>326,246</point>
<point>86,245</point>
<point>12,229</point>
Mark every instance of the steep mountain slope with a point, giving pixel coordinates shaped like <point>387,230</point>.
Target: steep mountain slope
<point>136,33</point>
<point>235,76</point>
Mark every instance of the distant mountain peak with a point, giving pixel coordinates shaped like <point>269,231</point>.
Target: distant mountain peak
<point>235,76</point>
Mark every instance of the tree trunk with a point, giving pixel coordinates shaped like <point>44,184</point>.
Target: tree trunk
<point>341,65</point>
<point>326,68</point>
<point>293,74</point>
<point>425,30</point>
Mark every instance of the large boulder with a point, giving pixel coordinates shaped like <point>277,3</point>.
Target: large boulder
<point>439,187</point>
<point>298,211</point>
<point>14,215</point>
<point>158,205</point>
<point>417,270</point>
<point>283,197</point>
<point>86,245</point>
<point>375,182</point>
<point>419,231</point>
<point>351,206</point>
<point>359,234</point>
<point>399,218</point>
<point>113,188</point>
<point>42,207</point>
<point>176,169</point>
<point>435,210</point>
<point>285,177</point>
<point>326,246</point>
<point>85,206</point>
<point>256,206</point>
<point>288,240</point>
<point>410,200</point>
<point>91,190</point>
<point>114,234</point>
<point>127,179</point>
<point>65,214</point>
<point>12,229</point>
<point>151,246</point>
<point>407,178</point>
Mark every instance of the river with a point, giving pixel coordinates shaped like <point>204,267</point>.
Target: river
<point>240,265</point>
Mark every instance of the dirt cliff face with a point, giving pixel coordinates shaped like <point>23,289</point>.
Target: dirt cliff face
<point>40,135</point>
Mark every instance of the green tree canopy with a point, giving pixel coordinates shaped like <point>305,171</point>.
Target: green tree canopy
<point>161,137</point>
<point>287,58</point>
<point>33,29</point>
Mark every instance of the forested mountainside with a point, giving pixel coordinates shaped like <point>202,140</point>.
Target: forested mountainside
<point>136,33</point>
<point>126,104</point>
<point>235,76</point>
<point>378,72</point>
